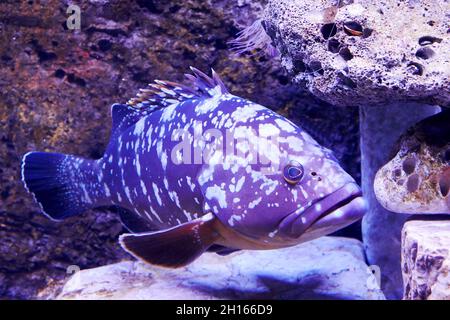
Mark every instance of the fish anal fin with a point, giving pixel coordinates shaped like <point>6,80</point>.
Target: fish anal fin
<point>174,247</point>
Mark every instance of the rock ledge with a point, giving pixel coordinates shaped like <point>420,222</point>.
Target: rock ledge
<point>326,268</point>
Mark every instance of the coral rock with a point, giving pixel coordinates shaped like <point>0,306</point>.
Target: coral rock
<point>326,268</point>
<point>417,179</point>
<point>381,126</point>
<point>365,51</point>
<point>426,260</point>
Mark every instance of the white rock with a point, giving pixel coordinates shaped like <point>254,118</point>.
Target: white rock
<point>400,55</point>
<point>426,260</point>
<point>326,268</point>
<point>380,127</point>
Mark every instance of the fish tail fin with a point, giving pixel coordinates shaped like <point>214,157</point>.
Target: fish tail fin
<point>63,185</point>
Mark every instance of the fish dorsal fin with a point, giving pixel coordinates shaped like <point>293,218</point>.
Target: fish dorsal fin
<point>163,93</point>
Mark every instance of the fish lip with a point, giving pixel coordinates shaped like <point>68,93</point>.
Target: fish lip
<point>341,204</point>
<point>299,221</point>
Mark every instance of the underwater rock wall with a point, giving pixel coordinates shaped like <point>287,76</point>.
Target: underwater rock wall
<point>325,268</point>
<point>389,58</point>
<point>381,126</point>
<point>426,260</point>
<point>56,88</point>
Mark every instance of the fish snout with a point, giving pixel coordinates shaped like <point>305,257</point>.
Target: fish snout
<point>331,212</point>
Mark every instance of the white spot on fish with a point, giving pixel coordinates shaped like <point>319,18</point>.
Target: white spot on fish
<point>295,143</point>
<point>294,193</point>
<point>107,191</point>
<point>155,214</point>
<point>169,112</point>
<point>208,105</point>
<point>268,130</point>
<point>187,215</point>
<point>164,160</point>
<point>139,127</point>
<point>234,218</point>
<point>138,165</point>
<point>144,188</point>
<point>305,194</point>
<point>174,197</point>
<point>206,175</point>
<point>156,192</point>
<point>190,183</point>
<point>240,183</point>
<point>215,192</point>
<point>285,125</point>
<point>86,195</point>
<point>254,203</point>
<point>127,192</point>
<point>243,114</point>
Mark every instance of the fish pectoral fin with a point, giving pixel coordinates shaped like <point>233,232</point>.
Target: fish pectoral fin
<point>174,247</point>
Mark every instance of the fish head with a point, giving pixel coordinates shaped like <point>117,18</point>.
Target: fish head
<point>283,188</point>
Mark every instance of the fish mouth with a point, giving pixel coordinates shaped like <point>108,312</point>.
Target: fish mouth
<point>326,215</point>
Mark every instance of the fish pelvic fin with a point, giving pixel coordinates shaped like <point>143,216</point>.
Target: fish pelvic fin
<point>174,247</point>
<point>63,185</point>
<point>164,93</point>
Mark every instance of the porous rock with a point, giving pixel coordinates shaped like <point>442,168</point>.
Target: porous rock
<point>426,260</point>
<point>417,179</point>
<point>326,268</point>
<point>356,52</point>
<point>386,57</point>
<point>380,129</point>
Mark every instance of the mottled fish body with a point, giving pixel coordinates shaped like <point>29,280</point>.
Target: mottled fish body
<point>417,178</point>
<point>195,168</point>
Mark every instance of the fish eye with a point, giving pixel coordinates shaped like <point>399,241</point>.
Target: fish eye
<point>293,172</point>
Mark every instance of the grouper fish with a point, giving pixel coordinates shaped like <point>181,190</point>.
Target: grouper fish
<point>194,168</point>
